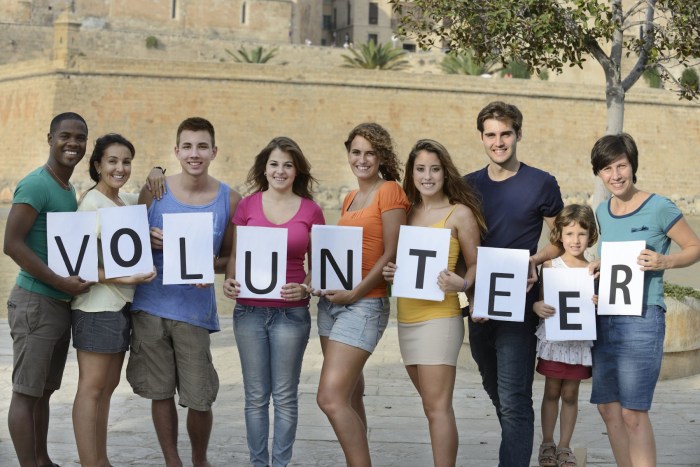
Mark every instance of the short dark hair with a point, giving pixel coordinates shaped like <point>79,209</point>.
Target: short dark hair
<point>583,215</point>
<point>609,148</point>
<point>196,124</point>
<point>56,121</point>
<point>500,111</point>
<point>303,182</point>
<point>101,145</point>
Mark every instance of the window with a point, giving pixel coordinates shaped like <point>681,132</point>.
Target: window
<point>173,10</point>
<point>409,47</point>
<point>373,13</point>
<point>327,22</point>
<point>244,18</point>
<point>372,38</point>
<point>349,9</point>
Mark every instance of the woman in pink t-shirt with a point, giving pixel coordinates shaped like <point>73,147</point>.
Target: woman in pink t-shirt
<point>271,334</point>
<point>351,322</point>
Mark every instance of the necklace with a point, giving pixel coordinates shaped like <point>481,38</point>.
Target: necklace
<point>367,196</point>
<point>65,186</point>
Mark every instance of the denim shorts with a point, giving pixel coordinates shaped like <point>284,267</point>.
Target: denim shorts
<point>103,331</point>
<point>627,358</point>
<point>360,324</point>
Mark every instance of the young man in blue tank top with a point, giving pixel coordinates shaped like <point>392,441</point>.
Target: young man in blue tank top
<point>41,297</point>
<point>170,345</point>
<point>516,199</point>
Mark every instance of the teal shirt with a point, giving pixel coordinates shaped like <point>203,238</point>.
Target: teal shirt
<point>651,223</point>
<point>39,190</point>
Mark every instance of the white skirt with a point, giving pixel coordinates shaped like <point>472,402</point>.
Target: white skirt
<point>433,342</point>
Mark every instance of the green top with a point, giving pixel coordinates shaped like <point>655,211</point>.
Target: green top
<point>40,191</point>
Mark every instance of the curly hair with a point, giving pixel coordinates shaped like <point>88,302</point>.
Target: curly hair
<point>303,181</point>
<point>379,138</point>
<point>583,215</point>
<point>457,190</point>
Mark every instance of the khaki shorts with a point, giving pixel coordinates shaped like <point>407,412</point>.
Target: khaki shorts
<point>40,330</point>
<point>167,355</point>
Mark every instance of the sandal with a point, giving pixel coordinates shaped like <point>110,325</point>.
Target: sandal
<point>548,455</point>
<point>566,458</point>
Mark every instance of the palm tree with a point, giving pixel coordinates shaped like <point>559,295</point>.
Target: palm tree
<point>257,55</point>
<point>373,56</point>
<point>466,63</point>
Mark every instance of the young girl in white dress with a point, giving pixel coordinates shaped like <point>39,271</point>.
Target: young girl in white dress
<point>563,363</point>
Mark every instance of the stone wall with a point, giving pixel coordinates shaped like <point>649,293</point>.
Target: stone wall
<point>249,104</point>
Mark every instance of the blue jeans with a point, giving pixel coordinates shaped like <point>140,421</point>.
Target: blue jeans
<point>505,354</point>
<point>271,344</point>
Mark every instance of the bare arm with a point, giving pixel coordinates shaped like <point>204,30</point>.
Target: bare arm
<point>231,286</point>
<point>684,236</point>
<point>540,308</point>
<point>221,261</point>
<point>547,253</point>
<point>469,237</point>
<point>392,220</point>
<point>19,223</point>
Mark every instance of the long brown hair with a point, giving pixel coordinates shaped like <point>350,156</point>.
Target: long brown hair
<point>303,181</point>
<point>457,190</point>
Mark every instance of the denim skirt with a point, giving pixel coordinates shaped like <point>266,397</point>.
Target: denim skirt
<point>102,331</point>
<point>627,358</point>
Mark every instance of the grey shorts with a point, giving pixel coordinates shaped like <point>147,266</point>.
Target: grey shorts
<point>102,331</point>
<point>168,355</point>
<point>40,330</point>
<point>360,324</point>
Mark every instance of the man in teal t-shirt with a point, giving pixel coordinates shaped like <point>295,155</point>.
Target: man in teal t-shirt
<point>39,304</point>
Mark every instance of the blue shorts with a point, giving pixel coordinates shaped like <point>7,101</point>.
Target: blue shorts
<point>102,331</point>
<point>627,358</point>
<point>360,324</point>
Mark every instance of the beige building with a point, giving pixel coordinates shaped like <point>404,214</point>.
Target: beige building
<point>357,22</point>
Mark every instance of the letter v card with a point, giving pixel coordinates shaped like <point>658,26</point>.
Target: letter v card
<point>71,241</point>
<point>261,261</point>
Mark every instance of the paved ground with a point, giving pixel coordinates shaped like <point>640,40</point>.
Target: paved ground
<point>398,431</point>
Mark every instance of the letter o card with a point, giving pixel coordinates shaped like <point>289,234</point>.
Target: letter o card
<point>126,242</point>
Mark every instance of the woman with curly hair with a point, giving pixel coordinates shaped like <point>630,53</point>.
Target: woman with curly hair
<point>431,333</point>
<point>351,322</point>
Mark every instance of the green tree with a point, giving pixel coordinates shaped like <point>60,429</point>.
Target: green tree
<point>465,63</point>
<point>258,55</point>
<point>550,34</point>
<point>658,34</point>
<point>373,56</point>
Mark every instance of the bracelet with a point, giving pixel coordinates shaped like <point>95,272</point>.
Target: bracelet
<point>466,286</point>
<point>160,168</point>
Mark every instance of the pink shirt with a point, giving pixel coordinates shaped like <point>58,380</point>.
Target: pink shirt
<point>250,213</point>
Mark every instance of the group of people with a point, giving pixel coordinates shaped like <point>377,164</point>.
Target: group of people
<point>167,328</point>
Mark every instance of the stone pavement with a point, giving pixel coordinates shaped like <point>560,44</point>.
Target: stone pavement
<point>398,431</point>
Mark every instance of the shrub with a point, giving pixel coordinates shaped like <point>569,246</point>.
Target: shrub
<point>372,56</point>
